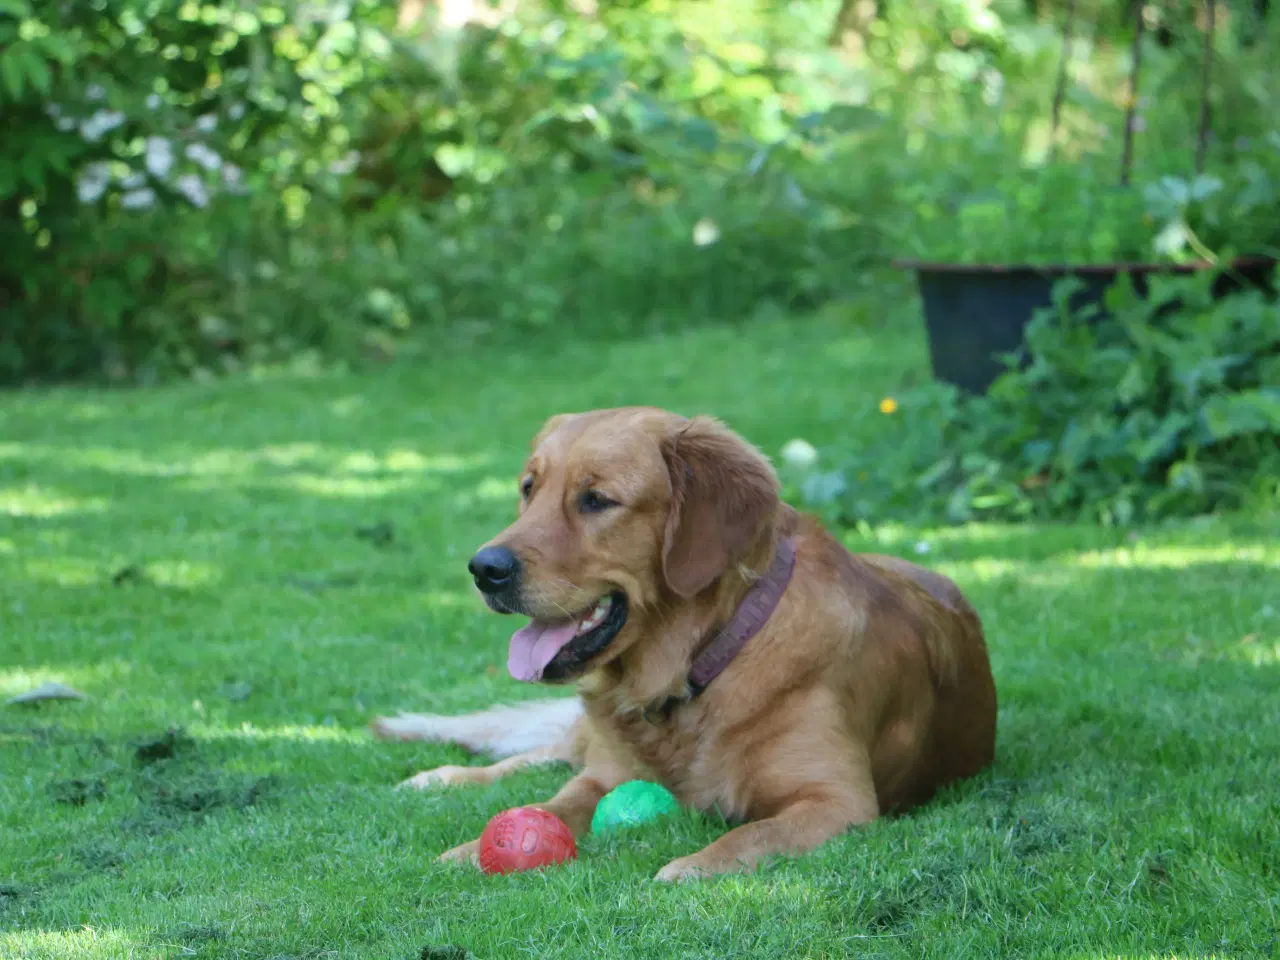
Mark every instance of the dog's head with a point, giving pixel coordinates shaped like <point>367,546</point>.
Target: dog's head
<point>622,513</point>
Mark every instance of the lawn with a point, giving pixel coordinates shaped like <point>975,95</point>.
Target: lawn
<point>264,565</point>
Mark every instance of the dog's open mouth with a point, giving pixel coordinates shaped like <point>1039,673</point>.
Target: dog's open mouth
<point>557,649</point>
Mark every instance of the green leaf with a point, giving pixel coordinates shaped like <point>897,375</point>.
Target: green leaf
<point>1160,442</point>
<point>38,72</point>
<point>32,166</point>
<point>11,74</point>
<point>1251,411</point>
<point>701,135</point>
<point>933,474</point>
<point>840,119</point>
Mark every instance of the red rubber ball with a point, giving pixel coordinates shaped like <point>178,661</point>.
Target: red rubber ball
<point>525,838</point>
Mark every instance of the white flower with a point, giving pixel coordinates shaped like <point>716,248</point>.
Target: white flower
<point>95,91</point>
<point>159,156</point>
<point>233,179</point>
<point>152,101</point>
<point>208,123</point>
<point>193,188</point>
<point>203,156</point>
<point>345,164</point>
<point>705,232</point>
<point>102,121</point>
<point>93,182</point>
<point>138,199</point>
<point>799,453</point>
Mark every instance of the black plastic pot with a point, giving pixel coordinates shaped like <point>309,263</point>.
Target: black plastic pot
<point>973,313</point>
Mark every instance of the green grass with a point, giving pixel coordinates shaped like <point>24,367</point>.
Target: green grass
<point>1132,810</point>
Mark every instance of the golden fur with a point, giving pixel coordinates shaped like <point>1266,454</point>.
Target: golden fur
<point>867,689</point>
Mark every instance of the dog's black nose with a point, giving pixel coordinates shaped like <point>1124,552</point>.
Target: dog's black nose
<point>495,569</point>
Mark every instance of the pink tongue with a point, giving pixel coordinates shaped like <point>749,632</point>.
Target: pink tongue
<point>536,645</point>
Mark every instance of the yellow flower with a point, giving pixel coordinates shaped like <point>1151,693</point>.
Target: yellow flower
<point>888,405</point>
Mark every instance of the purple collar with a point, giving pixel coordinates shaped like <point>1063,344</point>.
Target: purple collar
<point>752,614</point>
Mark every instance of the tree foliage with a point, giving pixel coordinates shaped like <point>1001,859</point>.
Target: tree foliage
<point>193,186</point>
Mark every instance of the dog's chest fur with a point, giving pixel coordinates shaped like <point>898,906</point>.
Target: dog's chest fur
<point>679,752</point>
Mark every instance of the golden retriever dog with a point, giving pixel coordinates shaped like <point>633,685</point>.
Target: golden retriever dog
<point>722,644</point>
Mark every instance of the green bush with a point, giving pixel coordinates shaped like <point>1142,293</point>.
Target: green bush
<point>145,143</point>
<point>202,186</point>
<point>197,186</point>
<point>1065,214</point>
<point>1163,405</point>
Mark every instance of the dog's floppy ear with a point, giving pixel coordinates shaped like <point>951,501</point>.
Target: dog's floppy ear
<point>723,492</point>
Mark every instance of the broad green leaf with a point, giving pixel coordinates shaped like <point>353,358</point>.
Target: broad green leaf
<point>851,118</point>
<point>38,71</point>
<point>701,135</point>
<point>1251,411</point>
<point>1164,438</point>
<point>11,73</point>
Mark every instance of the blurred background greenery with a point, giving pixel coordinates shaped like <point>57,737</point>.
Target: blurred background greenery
<point>192,187</point>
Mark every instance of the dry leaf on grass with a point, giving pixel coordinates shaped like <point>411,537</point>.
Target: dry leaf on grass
<point>47,691</point>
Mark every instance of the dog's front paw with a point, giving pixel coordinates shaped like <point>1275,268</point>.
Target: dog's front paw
<point>447,776</point>
<point>463,853</point>
<point>683,870</point>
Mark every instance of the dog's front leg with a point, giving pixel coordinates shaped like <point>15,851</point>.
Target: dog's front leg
<point>453,776</point>
<point>574,804</point>
<point>797,828</point>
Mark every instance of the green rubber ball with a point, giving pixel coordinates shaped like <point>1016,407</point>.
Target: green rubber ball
<point>630,804</point>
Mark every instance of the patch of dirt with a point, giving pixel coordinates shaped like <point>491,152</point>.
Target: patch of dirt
<point>170,779</point>
<point>205,790</point>
<point>162,746</point>
<point>175,791</point>
<point>77,791</point>
<point>14,899</point>
<point>892,911</point>
<point>1034,833</point>
<point>381,534</point>
<point>939,880</point>
<point>192,935</point>
<point>100,855</point>
<point>448,952</point>
<point>131,574</point>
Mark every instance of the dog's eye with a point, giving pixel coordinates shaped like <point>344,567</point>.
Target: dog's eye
<point>593,502</point>
<point>526,487</point>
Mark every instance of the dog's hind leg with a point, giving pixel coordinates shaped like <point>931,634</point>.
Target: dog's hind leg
<point>501,731</point>
<point>451,775</point>
<point>544,731</point>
